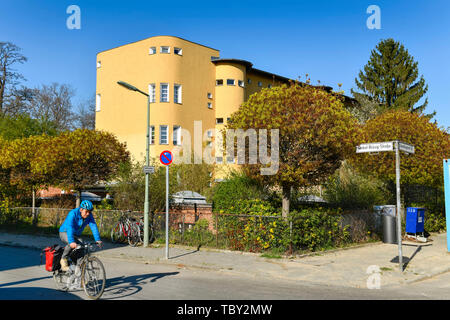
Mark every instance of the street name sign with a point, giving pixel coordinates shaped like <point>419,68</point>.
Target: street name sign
<point>149,169</point>
<point>375,147</point>
<point>405,147</point>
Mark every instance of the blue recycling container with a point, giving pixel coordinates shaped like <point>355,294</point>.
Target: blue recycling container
<point>415,219</point>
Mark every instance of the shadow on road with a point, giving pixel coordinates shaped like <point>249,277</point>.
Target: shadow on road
<point>35,293</point>
<point>121,287</point>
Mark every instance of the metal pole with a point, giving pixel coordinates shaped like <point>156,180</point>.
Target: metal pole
<point>399,218</point>
<point>147,161</point>
<point>167,211</point>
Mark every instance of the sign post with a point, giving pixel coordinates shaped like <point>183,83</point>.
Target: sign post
<point>447,199</point>
<point>396,146</point>
<point>166,159</point>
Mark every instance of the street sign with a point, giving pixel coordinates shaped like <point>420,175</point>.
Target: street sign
<point>405,147</point>
<point>389,146</point>
<point>149,169</point>
<point>375,147</point>
<point>166,157</point>
<point>447,199</point>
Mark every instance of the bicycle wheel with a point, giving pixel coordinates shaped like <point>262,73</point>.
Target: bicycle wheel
<point>117,234</point>
<point>134,236</point>
<point>61,280</point>
<point>93,277</point>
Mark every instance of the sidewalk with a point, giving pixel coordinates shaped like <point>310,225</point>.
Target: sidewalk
<point>344,267</point>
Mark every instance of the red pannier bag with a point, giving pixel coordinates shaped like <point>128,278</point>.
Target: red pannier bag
<point>52,257</point>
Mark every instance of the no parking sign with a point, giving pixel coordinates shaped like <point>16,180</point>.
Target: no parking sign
<point>166,157</point>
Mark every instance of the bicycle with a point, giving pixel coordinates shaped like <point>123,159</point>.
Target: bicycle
<point>130,229</point>
<point>85,271</point>
<point>122,231</point>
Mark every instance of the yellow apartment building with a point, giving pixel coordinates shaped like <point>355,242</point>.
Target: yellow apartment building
<point>186,81</point>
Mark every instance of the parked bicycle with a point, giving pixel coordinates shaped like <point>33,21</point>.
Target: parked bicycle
<point>130,229</point>
<point>85,271</point>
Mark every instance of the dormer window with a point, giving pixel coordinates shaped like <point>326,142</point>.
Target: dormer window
<point>178,51</point>
<point>152,50</point>
<point>165,50</point>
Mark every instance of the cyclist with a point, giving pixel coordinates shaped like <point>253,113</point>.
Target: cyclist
<point>73,226</point>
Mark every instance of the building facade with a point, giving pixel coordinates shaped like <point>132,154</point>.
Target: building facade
<point>186,81</point>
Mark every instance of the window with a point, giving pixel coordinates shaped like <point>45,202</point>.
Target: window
<point>219,120</point>
<point>152,50</point>
<point>269,86</point>
<point>163,135</point>
<point>209,105</point>
<point>165,50</point>
<point>99,64</point>
<point>230,159</point>
<point>98,102</point>
<point>240,83</point>
<point>152,134</point>
<point>152,92</point>
<point>176,135</point>
<point>178,51</point>
<point>219,82</point>
<point>249,81</point>
<point>230,82</point>
<point>219,160</point>
<point>209,133</point>
<point>177,93</point>
<point>164,92</point>
<point>209,95</point>
<point>259,84</point>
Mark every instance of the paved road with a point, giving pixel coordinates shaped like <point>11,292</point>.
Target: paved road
<point>21,277</point>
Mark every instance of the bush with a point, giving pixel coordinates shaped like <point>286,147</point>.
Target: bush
<point>236,187</point>
<point>348,189</point>
<point>316,229</point>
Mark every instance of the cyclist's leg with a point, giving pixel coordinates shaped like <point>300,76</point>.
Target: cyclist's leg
<point>67,249</point>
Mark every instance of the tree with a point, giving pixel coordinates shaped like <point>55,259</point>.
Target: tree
<point>315,134</point>
<point>390,78</point>
<point>54,103</point>
<point>431,143</point>
<point>9,56</point>
<point>85,116</point>
<point>22,126</point>
<point>84,157</point>
<point>22,158</point>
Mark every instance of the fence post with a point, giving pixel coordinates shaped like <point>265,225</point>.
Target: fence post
<point>217,231</point>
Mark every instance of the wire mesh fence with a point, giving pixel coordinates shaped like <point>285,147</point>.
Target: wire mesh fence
<point>199,226</point>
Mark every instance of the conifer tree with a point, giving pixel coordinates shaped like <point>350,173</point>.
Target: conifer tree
<point>391,79</point>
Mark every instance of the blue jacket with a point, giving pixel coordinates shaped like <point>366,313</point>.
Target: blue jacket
<point>74,225</point>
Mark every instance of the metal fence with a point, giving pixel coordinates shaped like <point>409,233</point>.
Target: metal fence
<point>198,226</point>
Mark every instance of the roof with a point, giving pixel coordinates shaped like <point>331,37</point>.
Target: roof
<point>188,197</point>
<point>156,37</point>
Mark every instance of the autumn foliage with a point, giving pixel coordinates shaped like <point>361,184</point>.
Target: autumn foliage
<point>424,167</point>
<point>316,132</point>
<point>72,159</point>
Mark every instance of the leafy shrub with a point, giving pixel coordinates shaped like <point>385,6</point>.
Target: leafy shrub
<point>236,187</point>
<point>348,189</point>
<point>316,229</point>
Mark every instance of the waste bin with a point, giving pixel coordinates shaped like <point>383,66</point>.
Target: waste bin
<point>389,224</point>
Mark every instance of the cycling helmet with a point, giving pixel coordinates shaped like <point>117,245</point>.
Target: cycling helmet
<point>86,204</point>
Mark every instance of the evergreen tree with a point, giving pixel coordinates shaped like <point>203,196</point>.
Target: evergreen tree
<point>390,79</point>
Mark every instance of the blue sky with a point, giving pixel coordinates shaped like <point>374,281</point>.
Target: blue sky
<point>329,40</point>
